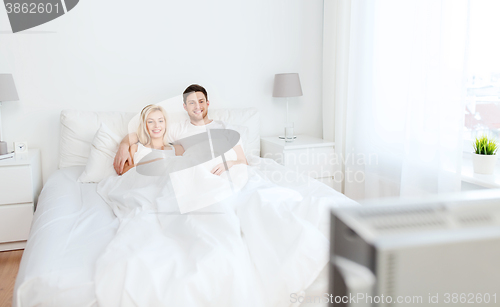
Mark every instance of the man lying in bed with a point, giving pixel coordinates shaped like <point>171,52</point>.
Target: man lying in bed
<point>196,104</point>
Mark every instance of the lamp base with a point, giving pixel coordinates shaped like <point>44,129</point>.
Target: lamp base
<point>3,148</point>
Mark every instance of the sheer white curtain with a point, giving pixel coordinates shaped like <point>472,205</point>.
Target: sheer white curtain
<point>393,98</point>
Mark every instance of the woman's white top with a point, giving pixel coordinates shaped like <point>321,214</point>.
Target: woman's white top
<point>143,151</point>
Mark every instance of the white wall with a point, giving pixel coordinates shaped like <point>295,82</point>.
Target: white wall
<point>122,55</point>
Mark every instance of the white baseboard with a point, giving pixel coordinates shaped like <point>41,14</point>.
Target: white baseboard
<point>7,246</point>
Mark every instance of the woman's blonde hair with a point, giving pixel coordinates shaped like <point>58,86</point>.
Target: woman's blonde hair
<point>142,131</point>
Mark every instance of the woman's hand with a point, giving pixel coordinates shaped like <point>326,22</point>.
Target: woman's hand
<point>127,167</point>
<point>219,168</point>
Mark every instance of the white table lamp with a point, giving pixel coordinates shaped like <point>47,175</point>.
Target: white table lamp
<point>8,92</point>
<point>287,85</point>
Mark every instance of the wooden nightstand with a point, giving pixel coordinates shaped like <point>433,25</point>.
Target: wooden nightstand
<point>306,155</point>
<point>20,184</point>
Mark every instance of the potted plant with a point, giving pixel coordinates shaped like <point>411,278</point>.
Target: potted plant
<point>484,156</point>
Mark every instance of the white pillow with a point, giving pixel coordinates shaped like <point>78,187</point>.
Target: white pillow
<point>78,129</point>
<point>102,154</point>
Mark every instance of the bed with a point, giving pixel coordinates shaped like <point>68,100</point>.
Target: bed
<point>73,227</point>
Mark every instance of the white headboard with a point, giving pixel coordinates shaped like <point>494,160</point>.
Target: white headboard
<point>79,127</point>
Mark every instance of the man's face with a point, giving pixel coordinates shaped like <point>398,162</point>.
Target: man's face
<point>197,106</point>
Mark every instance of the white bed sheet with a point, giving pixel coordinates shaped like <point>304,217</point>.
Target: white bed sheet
<point>71,228</point>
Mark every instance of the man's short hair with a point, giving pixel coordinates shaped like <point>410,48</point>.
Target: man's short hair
<point>194,88</point>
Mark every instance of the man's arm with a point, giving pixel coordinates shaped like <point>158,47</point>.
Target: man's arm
<point>179,150</point>
<point>240,159</point>
<point>127,166</point>
<point>240,155</point>
<point>123,154</point>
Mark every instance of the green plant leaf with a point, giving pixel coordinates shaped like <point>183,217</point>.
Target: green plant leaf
<point>485,146</point>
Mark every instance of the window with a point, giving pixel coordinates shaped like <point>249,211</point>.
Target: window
<point>482,111</point>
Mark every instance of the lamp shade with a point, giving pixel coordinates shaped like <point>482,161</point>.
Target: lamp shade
<point>7,88</point>
<point>287,85</point>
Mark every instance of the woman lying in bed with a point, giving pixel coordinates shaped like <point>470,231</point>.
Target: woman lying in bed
<point>151,135</point>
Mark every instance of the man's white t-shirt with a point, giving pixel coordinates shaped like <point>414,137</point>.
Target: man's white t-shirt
<point>186,129</point>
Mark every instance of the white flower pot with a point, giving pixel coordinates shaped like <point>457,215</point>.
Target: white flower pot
<point>483,164</point>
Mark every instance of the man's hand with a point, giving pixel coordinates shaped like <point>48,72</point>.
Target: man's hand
<point>121,157</point>
<point>219,168</point>
<point>241,159</point>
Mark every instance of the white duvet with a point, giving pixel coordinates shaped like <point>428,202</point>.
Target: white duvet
<point>256,247</point>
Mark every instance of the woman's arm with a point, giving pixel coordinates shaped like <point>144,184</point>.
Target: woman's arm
<point>161,158</point>
<point>128,166</point>
<point>146,162</point>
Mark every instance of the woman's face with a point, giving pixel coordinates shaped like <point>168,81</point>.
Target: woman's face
<point>156,124</point>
